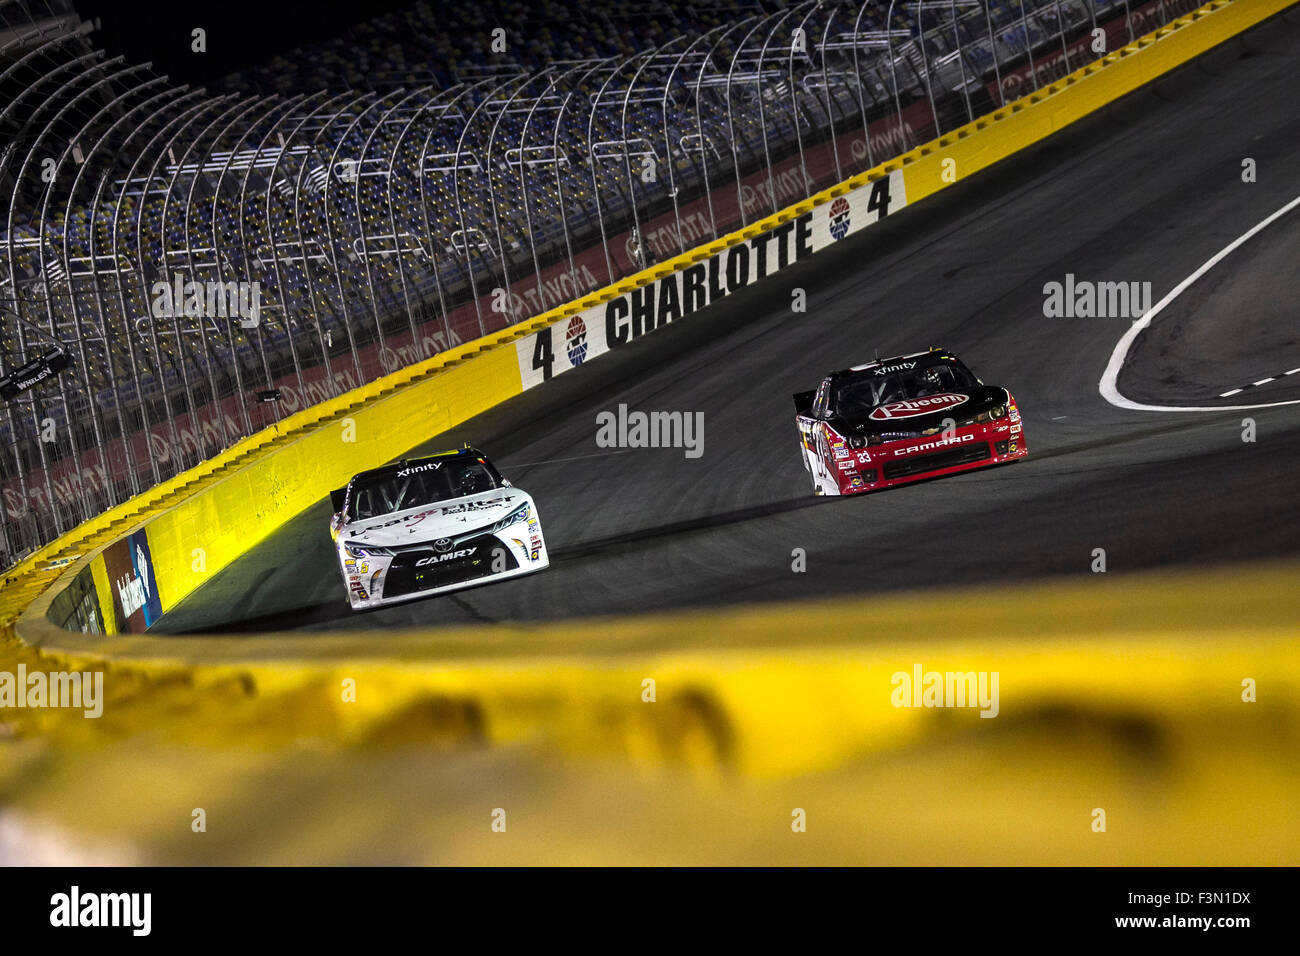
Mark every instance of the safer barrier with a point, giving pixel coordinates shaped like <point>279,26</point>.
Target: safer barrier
<point>187,530</point>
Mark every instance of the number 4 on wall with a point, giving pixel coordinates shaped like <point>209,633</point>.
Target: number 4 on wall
<point>543,356</point>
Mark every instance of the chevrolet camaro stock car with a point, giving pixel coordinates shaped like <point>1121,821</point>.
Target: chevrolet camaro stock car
<point>431,525</point>
<point>903,419</point>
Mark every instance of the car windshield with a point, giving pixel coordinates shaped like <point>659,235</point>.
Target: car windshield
<point>416,486</point>
<point>870,388</point>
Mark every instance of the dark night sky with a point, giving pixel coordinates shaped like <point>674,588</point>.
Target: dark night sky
<point>239,32</point>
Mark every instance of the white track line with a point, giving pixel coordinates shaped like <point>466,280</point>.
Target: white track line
<point>1108,385</point>
<point>1262,381</point>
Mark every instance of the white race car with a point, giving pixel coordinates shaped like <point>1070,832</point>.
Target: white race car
<point>427,526</point>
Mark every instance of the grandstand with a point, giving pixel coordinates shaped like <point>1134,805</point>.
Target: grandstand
<point>407,188</point>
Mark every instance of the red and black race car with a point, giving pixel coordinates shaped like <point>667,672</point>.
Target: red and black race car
<point>902,419</point>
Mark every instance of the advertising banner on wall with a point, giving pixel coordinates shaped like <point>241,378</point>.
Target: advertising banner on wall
<point>572,342</point>
<point>136,604</point>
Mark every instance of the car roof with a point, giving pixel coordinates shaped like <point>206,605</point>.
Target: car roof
<point>936,353</point>
<point>404,463</point>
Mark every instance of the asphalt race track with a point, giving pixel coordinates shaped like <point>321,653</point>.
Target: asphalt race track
<point>1145,191</point>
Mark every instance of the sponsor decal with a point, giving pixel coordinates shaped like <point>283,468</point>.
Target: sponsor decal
<point>407,519</point>
<point>466,506</point>
<point>845,465</point>
<point>136,604</point>
<point>417,518</point>
<point>896,367</point>
<point>449,556</point>
<point>841,451</point>
<point>898,436</point>
<point>575,341</point>
<point>917,406</point>
<point>856,482</point>
<point>415,469</point>
<point>929,445</point>
<point>839,218</point>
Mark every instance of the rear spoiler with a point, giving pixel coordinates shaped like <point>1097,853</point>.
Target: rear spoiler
<point>803,401</point>
<point>337,498</point>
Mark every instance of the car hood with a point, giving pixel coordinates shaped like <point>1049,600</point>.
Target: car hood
<point>445,519</point>
<point>915,417</point>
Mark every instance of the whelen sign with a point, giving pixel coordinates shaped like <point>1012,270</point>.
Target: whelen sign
<point>28,376</point>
